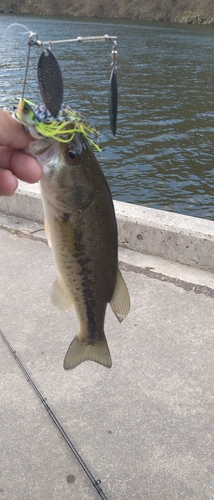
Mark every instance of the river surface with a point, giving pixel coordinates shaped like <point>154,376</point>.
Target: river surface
<point>163,153</point>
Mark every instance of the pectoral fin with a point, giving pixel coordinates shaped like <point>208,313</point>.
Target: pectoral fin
<point>120,302</point>
<point>47,232</point>
<point>80,351</point>
<point>60,296</point>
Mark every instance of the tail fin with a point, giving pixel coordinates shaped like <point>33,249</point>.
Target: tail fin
<point>79,351</point>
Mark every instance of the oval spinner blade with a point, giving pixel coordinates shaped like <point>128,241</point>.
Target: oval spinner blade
<point>50,82</point>
<point>113,101</point>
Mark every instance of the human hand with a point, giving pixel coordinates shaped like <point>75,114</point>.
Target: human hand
<point>14,164</point>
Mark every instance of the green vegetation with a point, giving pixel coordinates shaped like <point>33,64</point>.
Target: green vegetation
<point>186,11</point>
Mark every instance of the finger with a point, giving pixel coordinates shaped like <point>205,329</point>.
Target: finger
<point>12,133</point>
<point>24,167</point>
<point>5,155</point>
<point>8,183</point>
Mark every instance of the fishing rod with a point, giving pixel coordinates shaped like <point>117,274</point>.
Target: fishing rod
<point>96,482</point>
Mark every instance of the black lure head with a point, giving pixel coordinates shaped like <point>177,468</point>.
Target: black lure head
<point>50,82</point>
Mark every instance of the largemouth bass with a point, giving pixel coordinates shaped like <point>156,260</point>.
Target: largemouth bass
<point>81,228</point>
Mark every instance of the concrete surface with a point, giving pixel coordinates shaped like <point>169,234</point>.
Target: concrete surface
<point>179,238</point>
<point>145,427</point>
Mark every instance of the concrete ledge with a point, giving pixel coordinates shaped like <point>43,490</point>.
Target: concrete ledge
<point>179,238</point>
<point>24,203</point>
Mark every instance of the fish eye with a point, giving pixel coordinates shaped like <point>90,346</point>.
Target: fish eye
<point>26,108</point>
<point>72,156</point>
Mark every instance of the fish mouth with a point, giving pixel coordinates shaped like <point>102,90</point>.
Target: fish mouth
<point>43,150</point>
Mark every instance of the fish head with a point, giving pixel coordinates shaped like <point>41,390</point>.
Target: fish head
<point>57,159</point>
<point>67,179</point>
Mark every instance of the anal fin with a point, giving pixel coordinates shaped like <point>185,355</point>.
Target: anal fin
<point>60,296</point>
<point>120,302</point>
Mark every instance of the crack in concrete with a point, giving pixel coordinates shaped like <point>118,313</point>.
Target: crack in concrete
<point>189,287</point>
<point>146,271</point>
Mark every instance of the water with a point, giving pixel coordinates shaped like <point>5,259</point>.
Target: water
<point>163,155</point>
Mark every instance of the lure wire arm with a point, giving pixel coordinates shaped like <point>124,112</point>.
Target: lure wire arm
<point>102,38</point>
<point>33,40</point>
<point>26,69</point>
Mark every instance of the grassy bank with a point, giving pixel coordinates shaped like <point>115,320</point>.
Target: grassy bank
<point>186,11</point>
